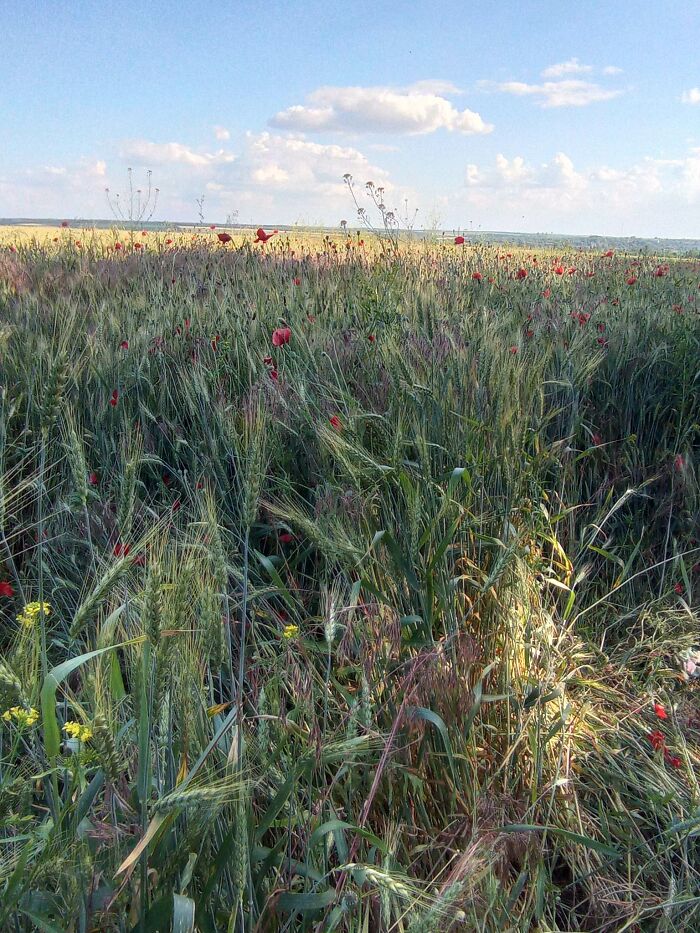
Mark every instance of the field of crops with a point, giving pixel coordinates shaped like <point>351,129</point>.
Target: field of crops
<point>347,586</point>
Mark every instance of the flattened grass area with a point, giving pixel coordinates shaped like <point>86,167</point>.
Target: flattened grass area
<point>347,586</point>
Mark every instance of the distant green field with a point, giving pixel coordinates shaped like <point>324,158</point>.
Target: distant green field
<point>347,584</point>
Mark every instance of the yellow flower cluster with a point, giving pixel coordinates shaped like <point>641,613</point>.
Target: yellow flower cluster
<point>23,717</point>
<point>76,731</point>
<point>31,612</point>
<point>290,631</point>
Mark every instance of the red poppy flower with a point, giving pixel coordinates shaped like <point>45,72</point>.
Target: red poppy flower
<point>297,281</point>
<point>166,479</point>
<point>268,361</point>
<point>559,270</point>
<point>78,243</point>
<point>280,336</point>
<point>114,399</point>
<point>660,711</point>
<point>547,292</point>
<point>679,463</point>
<point>459,240</point>
<point>187,320</point>
<point>144,233</point>
<point>601,327</point>
<point>597,439</point>
<point>477,276</point>
<point>93,479</point>
<point>138,245</point>
<point>672,760</point>
<point>262,237</point>
<point>117,246</point>
<point>124,345</point>
<point>632,279</point>
<point>121,550</point>
<point>602,342</point>
<point>6,589</point>
<point>609,254</point>
<point>657,739</point>
<point>286,538</point>
<point>336,423</point>
<point>529,333</point>
<point>678,589</point>
<point>661,271</point>
<point>224,237</point>
<point>200,485</point>
<point>167,243</point>
<point>274,375</point>
<point>521,274</point>
<point>513,350</point>
<point>212,226</point>
<point>371,338</point>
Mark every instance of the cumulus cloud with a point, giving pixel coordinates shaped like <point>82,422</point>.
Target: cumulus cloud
<point>221,133</point>
<point>302,166</point>
<point>558,195</point>
<point>571,67</point>
<point>691,96</point>
<point>415,110</point>
<point>612,70</point>
<point>152,153</point>
<point>569,92</point>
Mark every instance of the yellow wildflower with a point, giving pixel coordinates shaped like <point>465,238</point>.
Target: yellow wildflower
<point>31,613</point>
<point>290,631</point>
<point>77,731</point>
<point>22,717</point>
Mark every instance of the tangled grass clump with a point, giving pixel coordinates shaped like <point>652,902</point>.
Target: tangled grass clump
<point>346,588</point>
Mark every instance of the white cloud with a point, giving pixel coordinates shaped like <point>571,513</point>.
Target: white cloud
<point>566,93</point>
<point>151,153</point>
<point>612,70</point>
<point>644,198</point>
<point>571,67</point>
<point>221,133</point>
<point>691,96</point>
<point>302,166</point>
<point>435,86</point>
<point>415,110</point>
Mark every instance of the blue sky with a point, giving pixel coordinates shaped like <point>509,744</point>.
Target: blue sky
<point>549,116</point>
